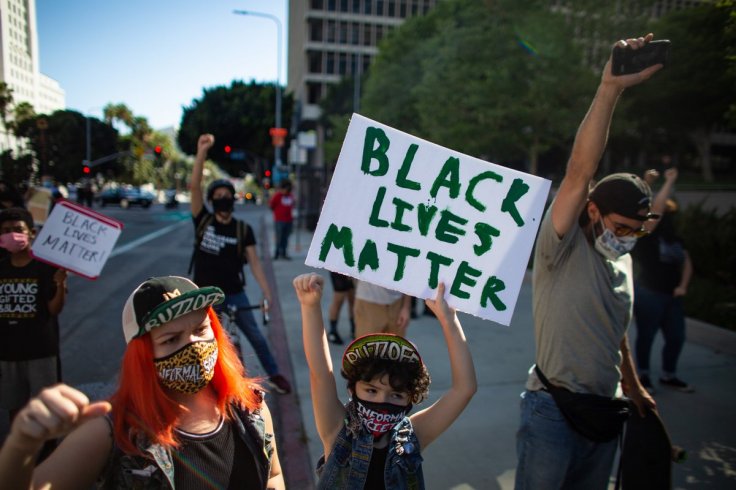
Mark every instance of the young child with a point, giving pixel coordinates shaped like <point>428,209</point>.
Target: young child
<point>372,442</point>
<point>31,295</point>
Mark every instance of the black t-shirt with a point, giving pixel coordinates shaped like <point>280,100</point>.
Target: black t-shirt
<point>659,262</point>
<point>26,326</point>
<point>216,261</point>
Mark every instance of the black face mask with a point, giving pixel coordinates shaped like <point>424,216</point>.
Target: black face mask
<point>223,204</point>
<point>380,418</point>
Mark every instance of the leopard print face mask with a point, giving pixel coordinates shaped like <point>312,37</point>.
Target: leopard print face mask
<point>189,369</point>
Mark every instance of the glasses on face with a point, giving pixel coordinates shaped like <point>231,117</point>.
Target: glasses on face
<point>622,230</point>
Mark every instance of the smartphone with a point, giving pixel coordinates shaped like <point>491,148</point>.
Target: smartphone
<point>625,61</point>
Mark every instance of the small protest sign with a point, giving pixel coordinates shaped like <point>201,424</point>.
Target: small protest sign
<point>76,238</point>
<point>407,214</point>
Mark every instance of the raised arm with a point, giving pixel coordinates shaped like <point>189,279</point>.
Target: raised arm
<point>204,144</point>
<point>435,419</point>
<point>590,141</point>
<point>55,412</point>
<point>328,411</point>
<point>660,200</point>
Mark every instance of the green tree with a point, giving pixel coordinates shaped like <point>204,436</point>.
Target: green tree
<point>62,145</point>
<point>239,116</point>
<point>692,95</point>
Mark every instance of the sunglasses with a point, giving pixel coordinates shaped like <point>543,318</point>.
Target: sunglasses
<point>622,230</point>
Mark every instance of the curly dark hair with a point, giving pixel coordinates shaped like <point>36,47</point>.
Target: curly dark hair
<point>412,378</point>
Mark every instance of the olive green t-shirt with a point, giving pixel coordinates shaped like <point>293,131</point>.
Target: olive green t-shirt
<point>582,305</point>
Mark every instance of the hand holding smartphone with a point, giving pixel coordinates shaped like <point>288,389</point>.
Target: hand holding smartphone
<point>625,61</point>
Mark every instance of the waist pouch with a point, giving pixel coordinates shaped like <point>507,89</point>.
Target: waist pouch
<point>596,417</point>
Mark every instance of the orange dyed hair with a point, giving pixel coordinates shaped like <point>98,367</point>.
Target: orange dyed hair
<point>142,407</point>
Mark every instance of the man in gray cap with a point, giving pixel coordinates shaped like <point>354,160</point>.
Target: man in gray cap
<point>582,305</point>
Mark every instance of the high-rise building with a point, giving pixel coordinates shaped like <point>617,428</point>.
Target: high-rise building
<point>19,65</point>
<point>331,39</point>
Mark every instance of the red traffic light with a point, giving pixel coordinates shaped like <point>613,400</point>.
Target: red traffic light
<point>86,169</point>
<point>267,173</point>
<point>157,149</point>
<point>228,149</point>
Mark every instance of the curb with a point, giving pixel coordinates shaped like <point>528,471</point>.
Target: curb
<point>718,339</point>
<point>290,433</point>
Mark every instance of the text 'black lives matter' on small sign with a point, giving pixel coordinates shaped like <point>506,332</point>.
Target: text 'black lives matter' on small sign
<point>76,238</point>
<point>407,214</point>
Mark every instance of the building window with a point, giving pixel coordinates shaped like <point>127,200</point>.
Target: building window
<point>355,33</point>
<point>331,5</point>
<point>367,7</point>
<point>356,7</point>
<point>367,34</point>
<point>380,7</point>
<point>315,30</point>
<point>343,64</point>
<point>314,92</point>
<point>402,9</point>
<point>315,61</point>
<point>391,8</point>
<point>330,31</point>
<point>330,68</point>
<point>379,34</point>
<point>316,4</point>
<point>343,32</point>
<point>344,5</point>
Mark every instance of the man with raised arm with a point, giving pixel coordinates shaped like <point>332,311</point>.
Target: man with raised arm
<point>582,303</point>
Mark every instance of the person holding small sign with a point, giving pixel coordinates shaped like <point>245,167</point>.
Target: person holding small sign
<point>184,414</point>
<point>582,306</point>
<point>373,442</point>
<point>32,294</point>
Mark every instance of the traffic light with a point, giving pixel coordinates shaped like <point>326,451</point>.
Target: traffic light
<point>158,153</point>
<point>267,173</point>
<point>86,170</point>
<point>228,149</point>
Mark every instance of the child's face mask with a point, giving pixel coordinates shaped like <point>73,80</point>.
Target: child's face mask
<point>380,418</point>
<point>14,242</point>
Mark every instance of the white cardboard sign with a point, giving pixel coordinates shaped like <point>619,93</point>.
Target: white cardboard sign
<point>76,238</point>
<point>406,214</point>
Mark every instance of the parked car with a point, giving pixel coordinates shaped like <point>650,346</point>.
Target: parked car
<point>125,197</point>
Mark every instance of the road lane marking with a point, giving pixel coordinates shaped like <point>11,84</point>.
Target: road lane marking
<point>146,238</point>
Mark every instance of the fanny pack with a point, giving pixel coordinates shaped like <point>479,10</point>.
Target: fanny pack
<point>596,417</point>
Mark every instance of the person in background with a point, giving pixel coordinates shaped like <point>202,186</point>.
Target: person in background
<point>343,288</point>
<point>184,414</point>
<point>224,246</point>
<point>372,441</point>
<point>582,295</point>
<point>664,270</point>
<point>282,205</point>
<point>378,309</point>
<point>32,295</point>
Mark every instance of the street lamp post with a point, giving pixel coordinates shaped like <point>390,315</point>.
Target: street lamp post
<point>277,149</point>
<point>88,134</point>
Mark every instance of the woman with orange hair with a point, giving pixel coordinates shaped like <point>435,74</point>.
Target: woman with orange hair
<point>184,415</point>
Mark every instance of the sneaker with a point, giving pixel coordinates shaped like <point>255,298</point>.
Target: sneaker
<point>677,384</point>
<point>647,383</point>
<point>335,338</point>
<point>279,384</point>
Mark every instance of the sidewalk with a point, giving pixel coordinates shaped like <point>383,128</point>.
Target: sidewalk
<point>478,451</point>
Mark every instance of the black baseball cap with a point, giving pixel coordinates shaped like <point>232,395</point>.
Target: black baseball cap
<point>625,194</point>
<point>160,300</point>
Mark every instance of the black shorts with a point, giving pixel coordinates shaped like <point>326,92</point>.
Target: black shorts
<point>341,283</point>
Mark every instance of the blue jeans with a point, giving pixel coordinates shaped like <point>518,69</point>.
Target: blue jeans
<point>283,230</point>
<point>246,322</point>
<point>654,311</point>
<point>552,455</point>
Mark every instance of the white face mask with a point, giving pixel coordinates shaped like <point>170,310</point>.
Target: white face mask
<point>611,246</point>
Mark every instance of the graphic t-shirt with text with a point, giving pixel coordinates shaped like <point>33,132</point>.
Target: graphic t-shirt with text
<point>216,261</point>
<point>26,326</point>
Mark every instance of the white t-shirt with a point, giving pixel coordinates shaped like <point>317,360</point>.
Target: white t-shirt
<point>379,295</point>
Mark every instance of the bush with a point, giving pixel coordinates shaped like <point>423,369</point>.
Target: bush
<point>709,238</point>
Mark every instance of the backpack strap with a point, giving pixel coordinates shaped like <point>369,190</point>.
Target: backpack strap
<point>198,235</point>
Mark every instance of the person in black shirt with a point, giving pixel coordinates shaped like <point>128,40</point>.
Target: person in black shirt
<point>664,270</point>
<point>225,245</point>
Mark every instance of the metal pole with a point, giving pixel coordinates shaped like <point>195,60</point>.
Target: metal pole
<point>88,157</point>
<point>277,118</point>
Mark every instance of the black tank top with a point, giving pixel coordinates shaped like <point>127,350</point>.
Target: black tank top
<point>374,479</point>
<point>218,460</point>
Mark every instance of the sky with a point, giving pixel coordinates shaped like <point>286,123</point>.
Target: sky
<point>155,56</point>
